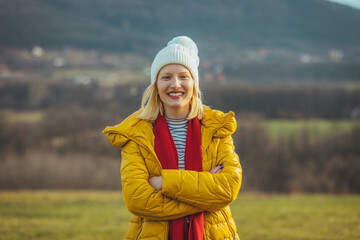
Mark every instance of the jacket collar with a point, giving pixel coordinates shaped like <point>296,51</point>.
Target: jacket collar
<point>214,124</point>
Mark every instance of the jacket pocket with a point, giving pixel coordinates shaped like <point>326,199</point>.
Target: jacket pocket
<point>140,228</point>
<point>152,229</point>
<point>134,228</point>
<point>231,230</point>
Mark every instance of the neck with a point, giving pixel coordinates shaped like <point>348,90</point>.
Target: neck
<point>177,113</point>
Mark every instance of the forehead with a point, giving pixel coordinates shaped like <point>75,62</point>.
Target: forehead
<point>173,68</point>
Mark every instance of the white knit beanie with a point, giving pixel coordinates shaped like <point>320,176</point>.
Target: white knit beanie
<point>181,50</point>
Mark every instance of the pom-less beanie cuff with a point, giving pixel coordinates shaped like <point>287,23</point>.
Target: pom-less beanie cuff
<point>180,50</point>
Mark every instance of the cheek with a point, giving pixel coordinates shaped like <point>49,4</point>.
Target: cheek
<point>161,87</point>
<point>190,88</point>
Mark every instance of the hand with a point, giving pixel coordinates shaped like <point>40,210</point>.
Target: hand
<point>156,182</point>
<point>217,169</point>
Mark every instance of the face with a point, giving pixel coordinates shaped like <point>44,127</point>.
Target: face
<point>175,87</point>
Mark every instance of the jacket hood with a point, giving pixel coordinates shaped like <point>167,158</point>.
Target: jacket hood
<point>215,123</point>
<point>132,128</point>
<point>221,124</point>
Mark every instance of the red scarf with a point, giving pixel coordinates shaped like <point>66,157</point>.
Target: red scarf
<point>166,151</point>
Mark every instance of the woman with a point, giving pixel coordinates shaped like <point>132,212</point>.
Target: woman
<point>179,171</point>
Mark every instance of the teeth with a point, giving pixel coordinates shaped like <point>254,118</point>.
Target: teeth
<point>175,94</point>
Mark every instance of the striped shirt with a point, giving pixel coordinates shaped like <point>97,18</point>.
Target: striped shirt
<point>178,130</point>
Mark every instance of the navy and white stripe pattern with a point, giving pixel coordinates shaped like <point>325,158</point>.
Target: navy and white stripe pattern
<point>178,130</point>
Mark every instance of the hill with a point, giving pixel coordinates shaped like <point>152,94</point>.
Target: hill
<point>143,26</point>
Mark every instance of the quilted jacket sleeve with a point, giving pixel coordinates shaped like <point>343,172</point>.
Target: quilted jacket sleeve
<point>209,192</point>
<point>140,197</point>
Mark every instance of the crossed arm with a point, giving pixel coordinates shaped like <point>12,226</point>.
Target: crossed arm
<point>156,181</point>
<point>182,192</point>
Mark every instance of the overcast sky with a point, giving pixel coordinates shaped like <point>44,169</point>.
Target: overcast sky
<point>352,3</point>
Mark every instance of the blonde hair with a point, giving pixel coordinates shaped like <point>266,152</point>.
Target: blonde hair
<point>153,106</point>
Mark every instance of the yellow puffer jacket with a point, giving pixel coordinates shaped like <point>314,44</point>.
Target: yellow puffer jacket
<point>183,192</point>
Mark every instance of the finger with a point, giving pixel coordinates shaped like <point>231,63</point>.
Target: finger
<point>214,169</point>
<point>221,166</point>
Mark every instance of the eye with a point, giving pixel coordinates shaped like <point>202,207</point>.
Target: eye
<point>184,76</point>
<point>166,77</point>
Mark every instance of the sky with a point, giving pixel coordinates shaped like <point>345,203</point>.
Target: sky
<point>352,3</point>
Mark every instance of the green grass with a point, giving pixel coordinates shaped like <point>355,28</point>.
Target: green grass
<point>316,129</point>
<point>103,215</point>
<point>297,217</point>
<point>62,215</point>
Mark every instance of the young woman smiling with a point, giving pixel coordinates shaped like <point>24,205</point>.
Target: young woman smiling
<point>175,86</point>
<point>179,170</point>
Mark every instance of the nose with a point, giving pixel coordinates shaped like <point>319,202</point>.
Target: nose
<point>176,83</point>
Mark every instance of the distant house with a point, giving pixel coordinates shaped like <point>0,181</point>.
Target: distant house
<point>37,51</point>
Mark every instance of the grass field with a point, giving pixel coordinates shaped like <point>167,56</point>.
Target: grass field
<point>99,215</point>
<point>317,129</point>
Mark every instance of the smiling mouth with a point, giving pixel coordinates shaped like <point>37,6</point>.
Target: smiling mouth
<point>176,94</point>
